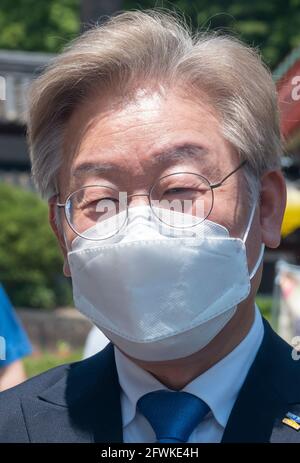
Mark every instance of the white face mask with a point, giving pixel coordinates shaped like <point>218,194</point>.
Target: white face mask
<point>157,292</point>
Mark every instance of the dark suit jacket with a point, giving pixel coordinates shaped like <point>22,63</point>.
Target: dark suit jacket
<point>81,402</point>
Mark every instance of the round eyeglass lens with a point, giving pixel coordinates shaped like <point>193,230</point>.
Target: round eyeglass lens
<point>96,212</point>
<point>182,199</point>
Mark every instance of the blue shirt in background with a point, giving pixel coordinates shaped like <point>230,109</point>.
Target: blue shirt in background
<point>14,343</point>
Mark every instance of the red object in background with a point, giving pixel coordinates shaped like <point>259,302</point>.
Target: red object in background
<point>289,107</point>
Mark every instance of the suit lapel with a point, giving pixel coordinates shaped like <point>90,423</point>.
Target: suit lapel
<point>271,385</point>
<point>254,412</point>
<point>83,406</point>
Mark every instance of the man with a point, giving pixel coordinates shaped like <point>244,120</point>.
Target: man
<point>160,156</point>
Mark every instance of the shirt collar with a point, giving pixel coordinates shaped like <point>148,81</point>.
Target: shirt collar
<point>218,386</point>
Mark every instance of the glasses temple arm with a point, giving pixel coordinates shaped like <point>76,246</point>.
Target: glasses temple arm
<point>216,185</point>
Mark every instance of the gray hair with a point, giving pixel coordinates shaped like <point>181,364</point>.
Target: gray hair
<point>153,46</point>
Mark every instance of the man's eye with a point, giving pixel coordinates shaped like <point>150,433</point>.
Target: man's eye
<point>107,200</point>
<point>178,190</point>
<point>99,202</point>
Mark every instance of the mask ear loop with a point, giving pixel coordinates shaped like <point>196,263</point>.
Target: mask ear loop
<point>68,246</point>
<point>258,262</point>
<point>249,223</point>
<point>262,248</point>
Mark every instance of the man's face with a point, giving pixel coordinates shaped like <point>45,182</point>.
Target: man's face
<point>127,147</point>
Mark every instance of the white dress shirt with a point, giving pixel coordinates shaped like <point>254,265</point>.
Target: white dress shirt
<point>95,341</point>
<point>218,387</point>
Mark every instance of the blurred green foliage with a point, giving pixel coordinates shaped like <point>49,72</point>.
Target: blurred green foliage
<point>30,260</point>
<point>273,26</point>
<point>265,304</point>
<point>46,25</point>
<point>36,364</point>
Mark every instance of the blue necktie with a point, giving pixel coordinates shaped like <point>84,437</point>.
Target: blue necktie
<point>172,415</point>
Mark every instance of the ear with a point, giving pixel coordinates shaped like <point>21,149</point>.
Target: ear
<point>57,228</point>
<point>272,207</point>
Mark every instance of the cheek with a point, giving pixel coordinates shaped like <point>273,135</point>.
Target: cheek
<point>229,211</point>
<point>236,221</point>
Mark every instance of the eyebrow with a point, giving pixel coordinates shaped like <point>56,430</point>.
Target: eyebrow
<point>174,153</point>
<point>179,152</point>
<point>92,168</point>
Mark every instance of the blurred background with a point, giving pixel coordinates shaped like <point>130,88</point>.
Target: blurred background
<point>31,33</point>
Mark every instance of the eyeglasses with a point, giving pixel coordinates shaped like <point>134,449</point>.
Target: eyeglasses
<point>97,212</point>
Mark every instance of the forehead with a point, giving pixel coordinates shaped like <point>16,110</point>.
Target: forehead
<point>148,112</point>
<point>140,132</point>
